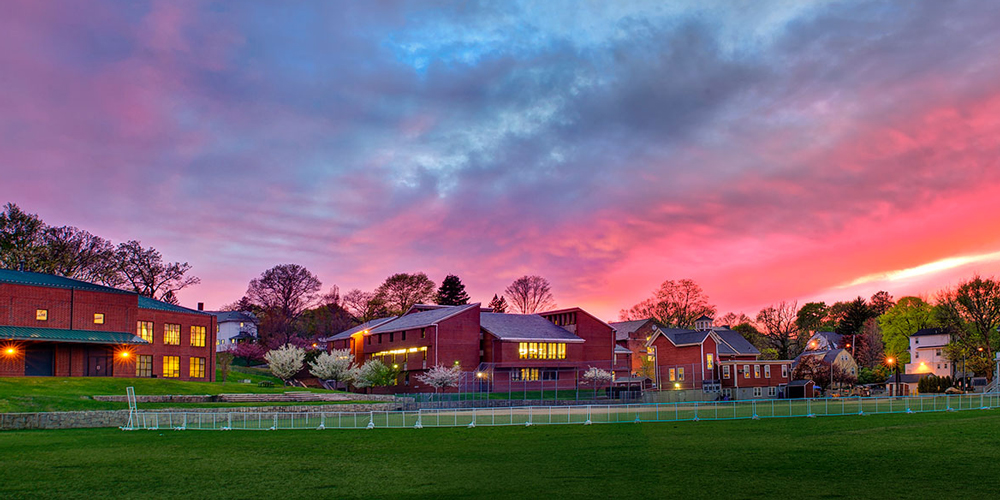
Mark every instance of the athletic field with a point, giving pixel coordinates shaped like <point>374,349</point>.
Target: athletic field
<point>930,455</point>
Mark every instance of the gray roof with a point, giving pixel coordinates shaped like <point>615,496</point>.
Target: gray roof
<point>683,336</point>
<point>421,319</point>
<point>524,327</point>
<point>929,331</point>
<point>623,329</point>
<point>621,350</point>
<point>704,317</point>
<point>233,316</point>
<point>906,378</point>
<point>833,338</point>
<point>734,343</point>
<point>800,382</point>
<point>828,356</point>
<point>368,325</point>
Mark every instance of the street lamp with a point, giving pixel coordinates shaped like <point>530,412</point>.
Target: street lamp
<point>891,361</point>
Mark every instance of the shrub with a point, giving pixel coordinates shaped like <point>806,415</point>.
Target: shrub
<point>286,361</point>
<point>440,377</point>
<point>335,365</point>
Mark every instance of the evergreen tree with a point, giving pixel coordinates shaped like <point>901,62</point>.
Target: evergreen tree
<point>452,292</point>
<point>498,304</point>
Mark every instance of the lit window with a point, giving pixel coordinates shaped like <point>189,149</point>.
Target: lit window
<point>784,371</point>
<point>680,374</point>
<point>537,350</point>
<point>171,366</point>
<point>524,375</point>
<point>746,371</point>
<point>98,318</point>
<point>197,367</point>
<point>42,314</point>
<point>171,334</point>
<point>725,371</point>
<point>145,331</point>
<point>673,374</point>
<point>767,371</point>
<point>756,371</point>
<point>197,336</point>
<point>144,366</point>
<point>709,361</point>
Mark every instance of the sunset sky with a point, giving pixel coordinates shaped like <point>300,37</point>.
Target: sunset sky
<point>768,150</point>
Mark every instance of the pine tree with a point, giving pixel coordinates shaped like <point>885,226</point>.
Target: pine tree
<point>452,292</point>
<point>498,304</point>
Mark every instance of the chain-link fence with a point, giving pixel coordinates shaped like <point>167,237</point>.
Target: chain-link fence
<point>550,415</point>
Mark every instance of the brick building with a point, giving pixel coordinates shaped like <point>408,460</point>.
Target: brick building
<point>55,326</point>
<point>495,351</point>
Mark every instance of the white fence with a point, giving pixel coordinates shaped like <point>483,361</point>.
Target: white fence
<point>551,415</point>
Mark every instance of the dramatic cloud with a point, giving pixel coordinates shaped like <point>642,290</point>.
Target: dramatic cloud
<point>770,151</point>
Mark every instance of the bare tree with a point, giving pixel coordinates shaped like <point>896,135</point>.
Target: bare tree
<point>283,293</point>
<point>144,271</point>
<point>777,324</point>
<point>401,291</point>
<point>365,306</point>
<point>530,294</point>
<point>675,303</point>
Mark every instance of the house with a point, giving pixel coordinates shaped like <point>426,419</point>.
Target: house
<point>631,338</point>
<point>56,326</point>
<point>905,385</point>
<point>926,353</point>
<point>234,327</point>
<point>713,359</point>
<point>496,351</point>
<point>839,358</point>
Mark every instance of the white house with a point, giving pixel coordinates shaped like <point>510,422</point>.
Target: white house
<point>926,353</point>
<point>234,327</point>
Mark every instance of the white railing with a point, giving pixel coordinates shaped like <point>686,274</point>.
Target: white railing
<point>554,415</point>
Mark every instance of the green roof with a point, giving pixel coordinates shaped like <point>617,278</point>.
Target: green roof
<point>73,336</point>
<point>50,280</point>
<point>148,303</point>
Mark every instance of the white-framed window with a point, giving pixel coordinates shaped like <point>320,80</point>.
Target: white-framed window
<point>709,361</point>
<point>746,371</point>
<point>680,373</point>
<point>784,371</point>
<point>725,371</point>
<point>727,392</point>
<point>756,371</point>
<point>772,392</point>
<point>767,371</point>
<point>673,374</point>
<point>758,392</point>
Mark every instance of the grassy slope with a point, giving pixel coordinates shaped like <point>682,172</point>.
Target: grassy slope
<point>27,394</point>
<point>883,456</point>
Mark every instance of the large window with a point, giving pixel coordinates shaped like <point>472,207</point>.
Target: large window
<point>171,334</point>
<point>541,350</point>
<point>524,374</point>
<point>171,366</point>
<point>197,367</point>
<point>709,361</point>
<point>197,336</point>
<point>144,366</point>
<point>145,331</point>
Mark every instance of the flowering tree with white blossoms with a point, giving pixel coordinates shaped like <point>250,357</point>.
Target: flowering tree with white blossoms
<point>598,377</point>
<point>285,361</point>
<point>375,373</point>
<point>335,365</point>
<point>440,377</point>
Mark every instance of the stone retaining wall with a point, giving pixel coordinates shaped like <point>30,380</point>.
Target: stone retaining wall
<point>118,418</point>
<point>160,399</point>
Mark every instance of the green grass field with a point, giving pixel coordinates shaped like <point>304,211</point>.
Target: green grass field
<point>31,394</point>
<point>939,455</point>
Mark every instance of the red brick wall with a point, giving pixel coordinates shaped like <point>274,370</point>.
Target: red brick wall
<point>19,303</point>
<point>737,371</point>
<point>185,350</point>
<point>599,339</point>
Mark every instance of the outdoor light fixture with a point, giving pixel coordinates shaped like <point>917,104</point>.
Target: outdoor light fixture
<point>10,351</point>
<point>124,354</point>
<point>677,385</point>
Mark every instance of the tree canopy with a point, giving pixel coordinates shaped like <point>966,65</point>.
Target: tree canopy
<point>530,294</point>
<point>283,292</point>
<point>452,292</point>
<point>401,291</point>
<point>675,303</point>
<point>902,320</point>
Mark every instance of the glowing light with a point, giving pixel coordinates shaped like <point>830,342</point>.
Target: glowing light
<point>394,366</point>
<point>677,385</point>
<point>479,374</point>
<point>890,361</point>
<point>10,351</point>
<point>124,354</point>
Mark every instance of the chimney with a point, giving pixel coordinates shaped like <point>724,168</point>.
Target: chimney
<point>201,306</point>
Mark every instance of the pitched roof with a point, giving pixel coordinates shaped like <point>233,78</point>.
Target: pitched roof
<point>929,331</point>
<point>621,350</point>
<point>906,378</point>
<point>704,317</point>
<point>421,319</point>
<point>832,354</point>
<point>624,329</point>
<point>524,328</point>
<point>367,325</point>
<point>74,336</point>
<point>233,316</point>
<point>148,303</point>
<point>52,281</point>
<point>575,309</point>
<point>734,343</point>
<point>680,336</point>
